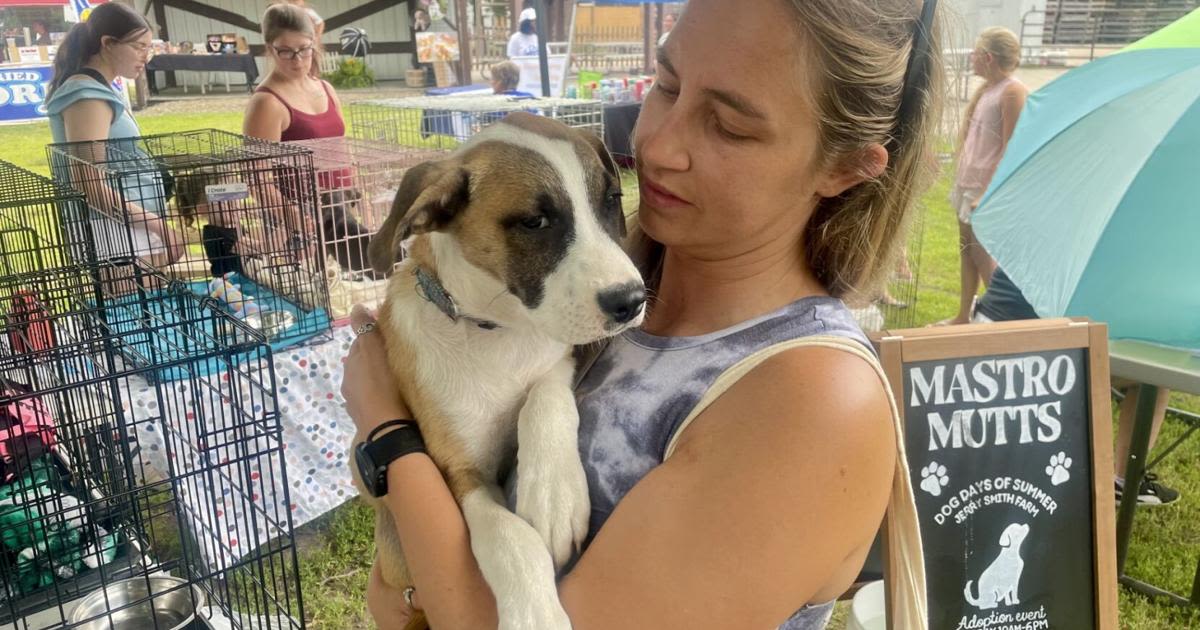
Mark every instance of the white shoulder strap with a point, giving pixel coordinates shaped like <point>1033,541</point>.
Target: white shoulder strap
<point>904,569</point>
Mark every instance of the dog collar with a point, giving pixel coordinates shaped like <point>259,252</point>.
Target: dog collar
<point>432,290</point>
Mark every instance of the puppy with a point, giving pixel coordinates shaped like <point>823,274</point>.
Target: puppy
<point>342,236</point>
<point>998,583</point>
<point>513,258</point>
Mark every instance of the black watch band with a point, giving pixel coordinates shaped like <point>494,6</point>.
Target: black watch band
<point>374,455</point>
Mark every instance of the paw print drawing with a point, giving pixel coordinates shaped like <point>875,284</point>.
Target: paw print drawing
<point>1057,470</point>
<point>933,479</point>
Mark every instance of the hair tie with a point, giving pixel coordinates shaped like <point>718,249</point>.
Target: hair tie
<point>916,73</point>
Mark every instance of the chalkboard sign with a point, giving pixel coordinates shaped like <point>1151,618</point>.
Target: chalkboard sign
<point>1008,434</point>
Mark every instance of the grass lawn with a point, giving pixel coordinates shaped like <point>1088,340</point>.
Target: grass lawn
<point>337,549</point>
<point>25,145</point>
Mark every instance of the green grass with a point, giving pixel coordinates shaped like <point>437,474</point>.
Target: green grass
<point>25,145</point>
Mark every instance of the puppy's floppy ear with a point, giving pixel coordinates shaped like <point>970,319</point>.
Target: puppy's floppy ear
<point>1005,538</point>
<point>606,158</point>
<point>430,196</point>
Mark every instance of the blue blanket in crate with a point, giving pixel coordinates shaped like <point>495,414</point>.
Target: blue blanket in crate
<point>167,332</point>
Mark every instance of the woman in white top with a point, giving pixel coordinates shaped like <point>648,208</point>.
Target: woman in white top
<point>989,123</point>
<point>524,43</point>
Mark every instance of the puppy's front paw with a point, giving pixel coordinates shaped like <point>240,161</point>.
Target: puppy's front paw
<point>552,496</point>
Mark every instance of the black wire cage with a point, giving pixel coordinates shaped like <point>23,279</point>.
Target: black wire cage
<point>124,500</point>
<point>233,216</point>
<point>33,212</point>
<point>357,180</point>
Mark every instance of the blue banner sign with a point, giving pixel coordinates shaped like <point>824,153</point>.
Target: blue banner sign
<point>23,92</point>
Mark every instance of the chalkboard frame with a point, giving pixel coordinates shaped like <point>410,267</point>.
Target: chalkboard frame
<point>900,347</point>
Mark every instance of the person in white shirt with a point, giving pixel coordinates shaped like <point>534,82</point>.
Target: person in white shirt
<point>667,24</point>
<point>524,43</point>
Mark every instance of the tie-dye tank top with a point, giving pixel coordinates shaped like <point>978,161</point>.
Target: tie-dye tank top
<point>641,387</point>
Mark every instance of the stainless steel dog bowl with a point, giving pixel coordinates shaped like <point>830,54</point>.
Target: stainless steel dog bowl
<point>271,323</point>
<point>157,609</point>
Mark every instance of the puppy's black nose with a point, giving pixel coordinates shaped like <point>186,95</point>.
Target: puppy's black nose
<point>622,304</point>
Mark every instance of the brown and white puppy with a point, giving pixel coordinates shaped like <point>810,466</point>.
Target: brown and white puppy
<point>521,226</point>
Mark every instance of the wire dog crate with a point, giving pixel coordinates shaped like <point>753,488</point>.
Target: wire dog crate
<point>357,181</point>
<point>204,205</point>
<point>33,213</point>
<point>123,500</point>
<point>444,122</point>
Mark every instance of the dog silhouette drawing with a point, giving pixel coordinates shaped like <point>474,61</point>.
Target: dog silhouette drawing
<point>998,583</point>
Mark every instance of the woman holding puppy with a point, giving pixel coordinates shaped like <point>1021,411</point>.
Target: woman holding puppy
<point>779,154</point>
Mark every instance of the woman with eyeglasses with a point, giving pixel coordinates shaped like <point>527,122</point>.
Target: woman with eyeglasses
<point>83,106</point>
<point>292,103</point>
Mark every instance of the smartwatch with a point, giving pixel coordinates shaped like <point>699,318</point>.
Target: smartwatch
<point>374,455</point>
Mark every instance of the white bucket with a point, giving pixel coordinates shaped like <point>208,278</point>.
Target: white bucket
<point>867,609</point>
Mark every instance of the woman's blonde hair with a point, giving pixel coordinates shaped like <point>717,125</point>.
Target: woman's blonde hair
<point>508,74</point>
<point>1005,49</point>
<point>289,18</point>
<point>865,94</point>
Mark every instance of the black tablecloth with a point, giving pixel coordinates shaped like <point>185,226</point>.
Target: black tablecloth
<point>202,63</point>
<point>619,120</point>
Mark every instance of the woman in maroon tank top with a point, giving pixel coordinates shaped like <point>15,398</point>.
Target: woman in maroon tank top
<point>292,103</point>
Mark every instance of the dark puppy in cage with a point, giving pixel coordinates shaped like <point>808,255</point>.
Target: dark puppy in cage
<point>344,238</point>
<point>219,234</point>
<point>514,258</point>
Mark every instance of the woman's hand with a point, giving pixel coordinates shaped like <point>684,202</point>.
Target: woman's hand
<point>371,392</point>
<point>174,241</point>
<point>386,604</point>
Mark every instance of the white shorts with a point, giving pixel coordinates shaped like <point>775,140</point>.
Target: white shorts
<point>963,201</point>
<point>113,239</point>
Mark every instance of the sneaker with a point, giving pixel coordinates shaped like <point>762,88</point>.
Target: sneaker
<point>1151,493</point>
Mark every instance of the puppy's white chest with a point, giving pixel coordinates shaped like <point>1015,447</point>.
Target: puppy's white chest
<point>481,381</point>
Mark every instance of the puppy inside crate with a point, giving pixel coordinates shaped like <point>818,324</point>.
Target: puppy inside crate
<point>262,231</point>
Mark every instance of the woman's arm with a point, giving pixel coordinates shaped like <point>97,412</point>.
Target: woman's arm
<point>1011,104</point>
<point>89,120</point>
<point>434,536</point>
<point>265,118</point>
<point>771,501</point>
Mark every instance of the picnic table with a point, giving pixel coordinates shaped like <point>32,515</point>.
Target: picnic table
<point>202,63</point>
<point>1153,366</point>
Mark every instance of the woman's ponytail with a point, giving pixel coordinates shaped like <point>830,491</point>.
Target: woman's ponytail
<point>84,40</point>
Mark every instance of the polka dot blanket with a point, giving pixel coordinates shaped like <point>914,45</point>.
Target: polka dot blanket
<point>226,456</point>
